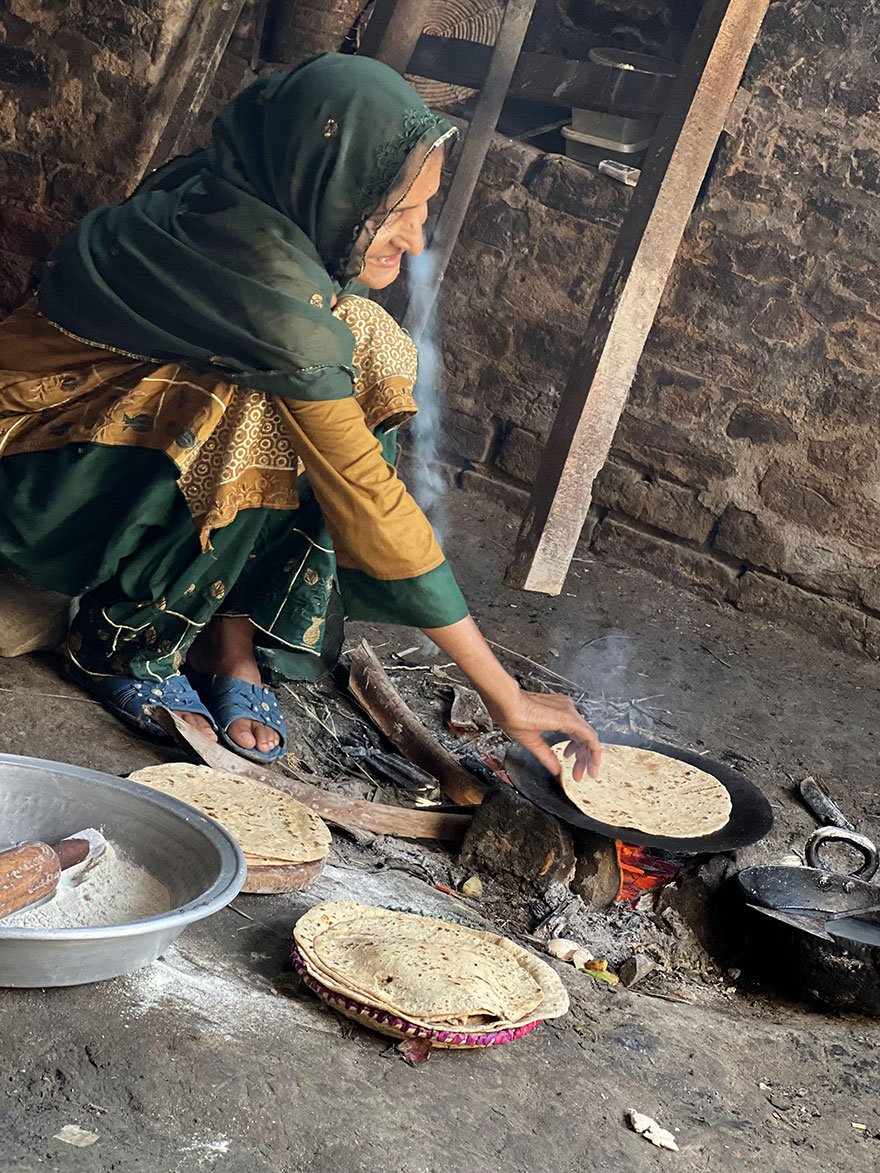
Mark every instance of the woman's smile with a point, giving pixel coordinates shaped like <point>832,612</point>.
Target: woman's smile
<point>390,262</point>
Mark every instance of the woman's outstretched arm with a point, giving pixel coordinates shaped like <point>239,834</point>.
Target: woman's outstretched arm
<point>523,715</point>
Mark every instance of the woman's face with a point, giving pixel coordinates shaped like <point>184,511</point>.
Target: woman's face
<point>401,231</point>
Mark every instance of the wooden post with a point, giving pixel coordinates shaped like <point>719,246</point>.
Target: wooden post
<point>515,22</point>
<point>627,300</point>
<point>393,29</point>
<point>214,39</point>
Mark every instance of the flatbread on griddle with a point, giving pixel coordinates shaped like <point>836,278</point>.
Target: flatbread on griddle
<point>427,971</point>
<point>272,828</point>
<point>648,792</point>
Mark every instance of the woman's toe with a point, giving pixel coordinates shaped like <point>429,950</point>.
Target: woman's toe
<point>242,733</point>
<point>267,738</point>
<point>200,724</point>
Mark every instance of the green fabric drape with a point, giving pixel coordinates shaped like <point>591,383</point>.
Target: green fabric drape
<point>229,258</point>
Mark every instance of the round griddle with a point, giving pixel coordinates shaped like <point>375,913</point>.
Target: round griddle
<point>750,817</point>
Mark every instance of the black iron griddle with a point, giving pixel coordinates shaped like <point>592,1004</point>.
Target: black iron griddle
<point>750,817</point>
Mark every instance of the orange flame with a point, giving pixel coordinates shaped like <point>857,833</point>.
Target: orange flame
<point>641,870</point>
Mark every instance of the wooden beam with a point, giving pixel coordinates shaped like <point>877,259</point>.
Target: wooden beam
<point>354,813</point>
<point>544,78</point>
<point>393,29</point>
<point>514,23</point>
<point>201,69</point>
<point>631,287</point>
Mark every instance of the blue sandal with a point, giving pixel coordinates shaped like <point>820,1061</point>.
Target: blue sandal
<point>127,698</point>
<point>231,699</point>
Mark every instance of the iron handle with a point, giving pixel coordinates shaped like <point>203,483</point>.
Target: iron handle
<point>865,847</point>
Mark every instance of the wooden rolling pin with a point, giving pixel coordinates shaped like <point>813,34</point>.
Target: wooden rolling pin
<point>31,871</point>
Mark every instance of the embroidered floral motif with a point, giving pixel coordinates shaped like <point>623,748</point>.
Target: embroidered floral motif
<point>331,128</point>
<point>317,301</point>
<point>416,123</point>
<point>311,577</point>
<point>217,590</point>
<point>313,632</point>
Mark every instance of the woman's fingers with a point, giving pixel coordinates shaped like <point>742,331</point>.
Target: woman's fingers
<point>543,712</point>
<point>542,751</point>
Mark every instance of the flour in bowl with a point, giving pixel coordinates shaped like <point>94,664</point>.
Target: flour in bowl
<point>104,889</point>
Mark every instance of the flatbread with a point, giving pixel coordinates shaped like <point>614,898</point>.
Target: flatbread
<point>648,792</point>
<point>272,828</point>
<point>427,971</point>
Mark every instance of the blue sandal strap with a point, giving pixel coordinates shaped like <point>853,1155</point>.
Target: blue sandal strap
<point>231,699</point>
<point>127,698</point>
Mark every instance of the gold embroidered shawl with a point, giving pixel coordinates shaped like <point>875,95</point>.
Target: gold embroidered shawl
<point>235,449</point>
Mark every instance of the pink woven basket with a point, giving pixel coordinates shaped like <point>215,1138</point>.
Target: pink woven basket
<point>399,1028</point>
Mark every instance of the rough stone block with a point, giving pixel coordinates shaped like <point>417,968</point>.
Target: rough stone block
<point>765,260</point>
<point>864,169</point>
<point>510,838</point>
<point>21,177</point>
<point>512,497</point>
<point>467,437</point>
<point>549,346</point>
<point>565,186</point>
<point>760,425</point>
<point>750,538</point>
<point>728,362</point>
<point>16,275</point>
<point>668,560</point>
<point>831,506</point>
<point>664,449</point>
<point>478,266</point>
<point>855,345</point>
<point>22,67</point>
<point>501,225</point>
<point>26,232</point>
<point>783,323</point>
<point>506,163</point>
<point>844,627</point>
<point>596,874</point>
<point>520,455</point>
<point>677,395</point>
<point>659,503</point>
<point>853,455</point>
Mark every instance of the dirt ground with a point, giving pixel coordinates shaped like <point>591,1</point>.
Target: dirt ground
<point>215,1057</point>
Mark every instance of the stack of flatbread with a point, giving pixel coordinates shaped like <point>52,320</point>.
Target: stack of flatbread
<point>648,792</point>
<point>405,974</point>
<point>284,843</point>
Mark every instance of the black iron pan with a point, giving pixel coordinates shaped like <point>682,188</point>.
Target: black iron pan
<point>812,931</point>
<point>750,817</point>
<point>839,905</point>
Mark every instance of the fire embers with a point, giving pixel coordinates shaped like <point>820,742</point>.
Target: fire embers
<point>643,869</point>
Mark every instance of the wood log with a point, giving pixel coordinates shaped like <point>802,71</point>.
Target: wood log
<point>343,812</point>
<point>370,686</point>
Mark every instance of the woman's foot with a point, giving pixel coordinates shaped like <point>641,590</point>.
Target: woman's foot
<point>226,648</point>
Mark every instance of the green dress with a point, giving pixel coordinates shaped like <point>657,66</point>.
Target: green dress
<point>184,426</point>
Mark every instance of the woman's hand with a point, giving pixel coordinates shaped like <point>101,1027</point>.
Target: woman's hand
<point>522,715</point>
<point>526,715</point>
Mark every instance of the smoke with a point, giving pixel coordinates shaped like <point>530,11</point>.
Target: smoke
<point>617,696</point>
<point>426,481</point>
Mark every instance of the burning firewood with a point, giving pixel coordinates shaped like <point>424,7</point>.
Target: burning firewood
<point>372,688</point>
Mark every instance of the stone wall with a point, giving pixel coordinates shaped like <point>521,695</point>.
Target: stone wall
<point>85,88</point>
<point>746,463</point>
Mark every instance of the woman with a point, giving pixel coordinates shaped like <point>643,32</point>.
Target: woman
<point>198,418</point>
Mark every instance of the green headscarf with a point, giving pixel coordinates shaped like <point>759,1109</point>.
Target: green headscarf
<point>230,257</point>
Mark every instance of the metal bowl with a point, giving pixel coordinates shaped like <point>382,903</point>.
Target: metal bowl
<point>194,857</point>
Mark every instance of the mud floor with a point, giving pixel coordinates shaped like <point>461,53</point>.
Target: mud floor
<point>215,1057</point>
